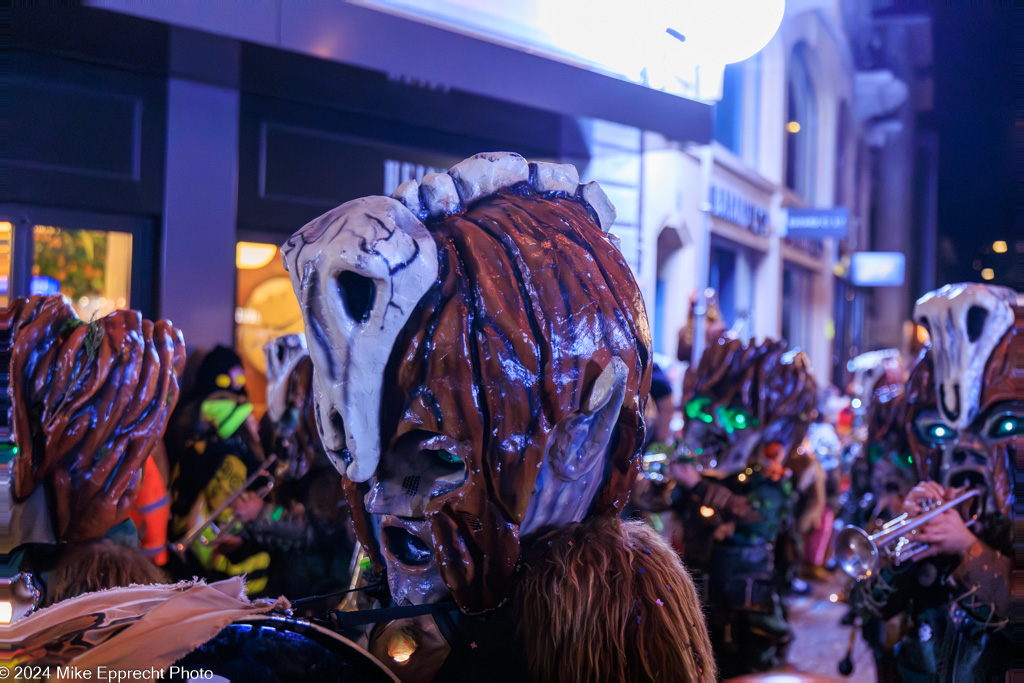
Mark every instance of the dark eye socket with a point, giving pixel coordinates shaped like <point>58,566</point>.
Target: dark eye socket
<point>447,460</point>
<point>976,316</point>
<point>442,459</point>
<point>358,293</point>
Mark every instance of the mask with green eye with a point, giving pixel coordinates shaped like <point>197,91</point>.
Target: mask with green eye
<point>933,430</point>
<point>734,419</point>
<point>1005,426</point>
<point>697,409</point>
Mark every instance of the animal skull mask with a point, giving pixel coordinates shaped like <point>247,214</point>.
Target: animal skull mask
<point>965,322</point>
<point>496,384</point>
<point>965,397</point>
<point>358,271</point>
<point>877,375</point>
<point>282,355</point>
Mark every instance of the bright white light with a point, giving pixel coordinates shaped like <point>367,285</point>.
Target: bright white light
<point>855,403</point>
<point>6,612</point>
<point>727,31</point>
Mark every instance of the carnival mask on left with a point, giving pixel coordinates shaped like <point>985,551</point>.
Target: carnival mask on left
<point>481,357</point>
<point>90,402</point>
<point>967,392</point>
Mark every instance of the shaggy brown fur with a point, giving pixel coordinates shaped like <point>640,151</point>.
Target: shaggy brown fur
<point>608,600</point>
<point>89,567</point>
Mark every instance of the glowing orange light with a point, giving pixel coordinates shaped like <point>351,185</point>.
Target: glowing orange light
<point>705,511</point>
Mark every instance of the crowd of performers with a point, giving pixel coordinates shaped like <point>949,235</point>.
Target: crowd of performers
<point>467,468</point>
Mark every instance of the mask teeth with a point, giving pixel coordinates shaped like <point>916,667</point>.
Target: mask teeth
<point>411,485</point>
<point>409,194</point>
<point>474,522</point>
<point>547,177</point>
<point>484,174</point>
<point>595,197</point>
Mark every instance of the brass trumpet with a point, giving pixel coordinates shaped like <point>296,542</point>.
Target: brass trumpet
<point>860,555</point>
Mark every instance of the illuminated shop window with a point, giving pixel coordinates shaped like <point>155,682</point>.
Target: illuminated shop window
<point>6,243</point>
<point>92,268</point>
<point>266,308</point>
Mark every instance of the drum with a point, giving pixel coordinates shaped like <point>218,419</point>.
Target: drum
<point>274,648</point>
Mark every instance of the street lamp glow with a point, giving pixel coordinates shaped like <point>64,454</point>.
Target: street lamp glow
<point>728,31</point>
<point>987,274</point>
<point>999,246</point>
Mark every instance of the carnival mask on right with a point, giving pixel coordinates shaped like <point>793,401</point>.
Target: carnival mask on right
<point>966,394</point>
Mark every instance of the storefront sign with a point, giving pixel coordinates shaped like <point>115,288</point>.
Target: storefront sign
<point>397,172</point>
<point>817,223</point>
<point>734,208</point>
<point>877,268</point>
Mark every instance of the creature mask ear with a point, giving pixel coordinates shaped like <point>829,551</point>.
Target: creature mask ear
<point>573,468</point>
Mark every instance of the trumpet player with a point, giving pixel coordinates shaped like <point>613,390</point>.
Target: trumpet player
<point>963,418</point>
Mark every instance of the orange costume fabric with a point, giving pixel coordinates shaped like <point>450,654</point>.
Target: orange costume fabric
<point>152,512</point>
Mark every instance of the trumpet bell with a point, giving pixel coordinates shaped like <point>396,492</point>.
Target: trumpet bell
<point>856,553</point>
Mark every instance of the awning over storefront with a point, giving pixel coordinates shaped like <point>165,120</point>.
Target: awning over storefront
<point>434,58</point>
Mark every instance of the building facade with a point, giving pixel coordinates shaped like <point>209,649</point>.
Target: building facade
<point>162,151</point>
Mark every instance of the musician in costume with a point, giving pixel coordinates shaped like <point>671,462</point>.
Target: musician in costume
<point>214,453</point>
<point>482,362</point>
<point>963,419</point>
<point>748,407</point>
<point>882,471</point>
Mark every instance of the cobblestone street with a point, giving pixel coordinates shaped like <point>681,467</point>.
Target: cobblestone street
<point>820,640</point>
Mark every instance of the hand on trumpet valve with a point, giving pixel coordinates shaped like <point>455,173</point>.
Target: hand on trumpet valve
<point>946,533</point>
<point>923,496</point>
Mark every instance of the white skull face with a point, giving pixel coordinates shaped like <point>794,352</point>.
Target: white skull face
<point>966,322</point>
<point>867,369</point>
<point>358,272</point>
<point>282,355</point>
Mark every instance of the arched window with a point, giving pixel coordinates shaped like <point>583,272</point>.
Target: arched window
<point>801,125</point>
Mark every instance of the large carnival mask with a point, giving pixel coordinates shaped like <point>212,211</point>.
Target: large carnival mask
<point>965,416</point>
<point>481,359</point>
<point>90,402</point>
<point>743,396</point>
